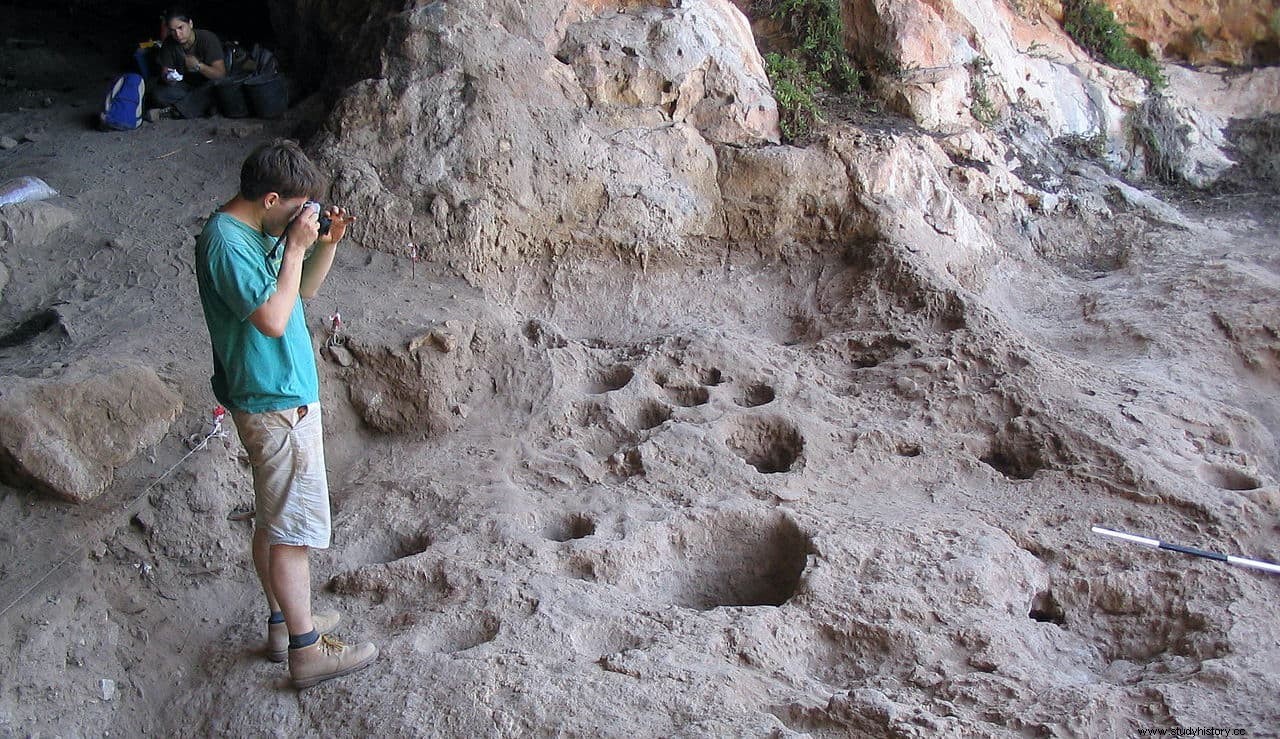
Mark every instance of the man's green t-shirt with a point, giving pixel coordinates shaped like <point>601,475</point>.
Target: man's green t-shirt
<point>236,273</point>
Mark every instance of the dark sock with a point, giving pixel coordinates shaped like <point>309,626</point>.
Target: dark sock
<point>277,617</point>
<point>303,640</point>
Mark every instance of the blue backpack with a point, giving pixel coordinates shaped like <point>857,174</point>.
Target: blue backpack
<point>122,110</point>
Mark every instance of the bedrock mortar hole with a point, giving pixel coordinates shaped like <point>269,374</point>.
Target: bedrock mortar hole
<point>1226,478</point>
<point>612,378</point>
<point>650,415</point>
<point>575,526</point>
<point>688,396</point>
<point>1015,464</point>
<point>740,561</point>
<point>770,445</point>
<point>757,395</point>
<point>1046,609</point>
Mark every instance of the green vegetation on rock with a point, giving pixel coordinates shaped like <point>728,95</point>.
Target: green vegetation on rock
<point>817,62</point>
<point>795,89</point>
<point>1095,28</point>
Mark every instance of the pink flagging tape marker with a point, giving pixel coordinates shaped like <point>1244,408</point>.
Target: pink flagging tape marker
<point>1256,564</point>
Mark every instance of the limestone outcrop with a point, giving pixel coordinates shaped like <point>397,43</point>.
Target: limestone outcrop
<point>599,132</point>
<point>549,129</point>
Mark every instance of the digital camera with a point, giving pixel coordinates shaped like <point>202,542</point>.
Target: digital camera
<point>325,221</point>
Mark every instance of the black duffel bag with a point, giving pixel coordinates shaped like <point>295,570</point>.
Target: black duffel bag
<point>229,92</point>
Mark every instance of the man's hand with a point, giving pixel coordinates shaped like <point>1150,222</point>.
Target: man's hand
<point>302,230</point>
<point>193,63</point>
<point>339,219</point>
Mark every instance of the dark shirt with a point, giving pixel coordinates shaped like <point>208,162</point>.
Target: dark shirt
<point>207,48</point>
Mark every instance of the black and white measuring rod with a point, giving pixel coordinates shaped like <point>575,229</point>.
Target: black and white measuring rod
<point>1257,564</point>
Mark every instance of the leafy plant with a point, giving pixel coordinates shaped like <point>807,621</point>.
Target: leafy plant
<point>818,31</point>
<point>1096,29</point>
<point>795,88</point>
<point>982,108</point>
<point>816,63</point>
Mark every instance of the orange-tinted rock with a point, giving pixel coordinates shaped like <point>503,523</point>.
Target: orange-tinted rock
<point>1205,31</point>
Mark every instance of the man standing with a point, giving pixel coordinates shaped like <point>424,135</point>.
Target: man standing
<point>190,61</point>
<point>253,271</point>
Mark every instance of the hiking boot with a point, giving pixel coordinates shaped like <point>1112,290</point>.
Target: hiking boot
<point>328,658</point>
<point>159,114</point>
<point>278,634</point>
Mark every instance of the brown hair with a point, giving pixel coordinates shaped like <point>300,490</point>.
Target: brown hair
<point>283,168</point>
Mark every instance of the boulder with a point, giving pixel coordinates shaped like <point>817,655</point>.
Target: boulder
<point>957,61</point>
<point>30,224</point>
<point>696,63</point>
<point>947,55</point>
<point>520,130</point>
<point>66,435</point>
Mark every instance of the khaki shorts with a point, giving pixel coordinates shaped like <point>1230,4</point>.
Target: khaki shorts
<point>291,492</point>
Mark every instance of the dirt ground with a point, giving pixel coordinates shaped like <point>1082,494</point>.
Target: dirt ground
<point>593,530</point>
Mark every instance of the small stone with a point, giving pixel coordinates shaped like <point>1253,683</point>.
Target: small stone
<point>108,689</point>
<point>341,355</point>
<point>8,142</point>
<point>447,342</point>
<point>120,242</point>
<point>461,410</point>
<point>906,386</point>
<point>33,136</point>
<point>416,342</point>
<point>47,102</point>
<point>144,520</point>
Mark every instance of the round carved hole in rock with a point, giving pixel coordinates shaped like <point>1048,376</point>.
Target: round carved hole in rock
<point>688,396</point>
<point>574,526</point>
<point>1046,609</point>
<point>769,445</point>
<point>1021,463</point>
<point>651,414</point>
<point>612,378</point>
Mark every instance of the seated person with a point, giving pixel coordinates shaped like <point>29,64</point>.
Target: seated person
<point>189,61</point>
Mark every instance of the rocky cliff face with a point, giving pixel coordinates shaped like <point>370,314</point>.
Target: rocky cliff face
<point>496,133</point>
<point>1230,32</point>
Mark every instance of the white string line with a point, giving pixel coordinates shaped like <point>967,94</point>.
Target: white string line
<point>217,431</point>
